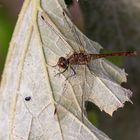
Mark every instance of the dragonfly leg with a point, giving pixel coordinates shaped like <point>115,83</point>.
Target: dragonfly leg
<point>74,73</point>
<point>62,71</point>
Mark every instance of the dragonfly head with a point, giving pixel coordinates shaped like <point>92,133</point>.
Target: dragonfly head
<point>63,63</point>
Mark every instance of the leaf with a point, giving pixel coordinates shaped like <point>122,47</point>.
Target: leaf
<point>54,111</point>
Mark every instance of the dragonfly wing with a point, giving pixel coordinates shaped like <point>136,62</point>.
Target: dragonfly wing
<point>104,86</point>
<point>105,69</point>
<point>66,27</point>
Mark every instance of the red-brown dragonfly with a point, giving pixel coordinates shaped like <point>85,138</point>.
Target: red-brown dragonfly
<point>82,58</point>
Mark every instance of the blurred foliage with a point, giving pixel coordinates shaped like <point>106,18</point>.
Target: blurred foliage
<point>93,118</point>
<point>93,113</point>
<point>6,29</point>
<point>114,24</point>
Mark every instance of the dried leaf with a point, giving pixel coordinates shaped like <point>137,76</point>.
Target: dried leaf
<point>54,110</point>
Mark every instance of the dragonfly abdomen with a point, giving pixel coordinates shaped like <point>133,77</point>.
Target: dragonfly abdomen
<point>96,56</point>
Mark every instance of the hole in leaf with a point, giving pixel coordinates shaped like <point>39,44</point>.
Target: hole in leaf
<point>93,113</point>
<point>28,98</point>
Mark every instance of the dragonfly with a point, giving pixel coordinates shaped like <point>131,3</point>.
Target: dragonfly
<point>82,57</point>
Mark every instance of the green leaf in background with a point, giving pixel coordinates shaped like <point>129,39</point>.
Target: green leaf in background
<point>6,29</point>
<point>93,118</point>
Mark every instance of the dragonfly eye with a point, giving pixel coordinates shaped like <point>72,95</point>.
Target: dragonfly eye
<point>62,62</point>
